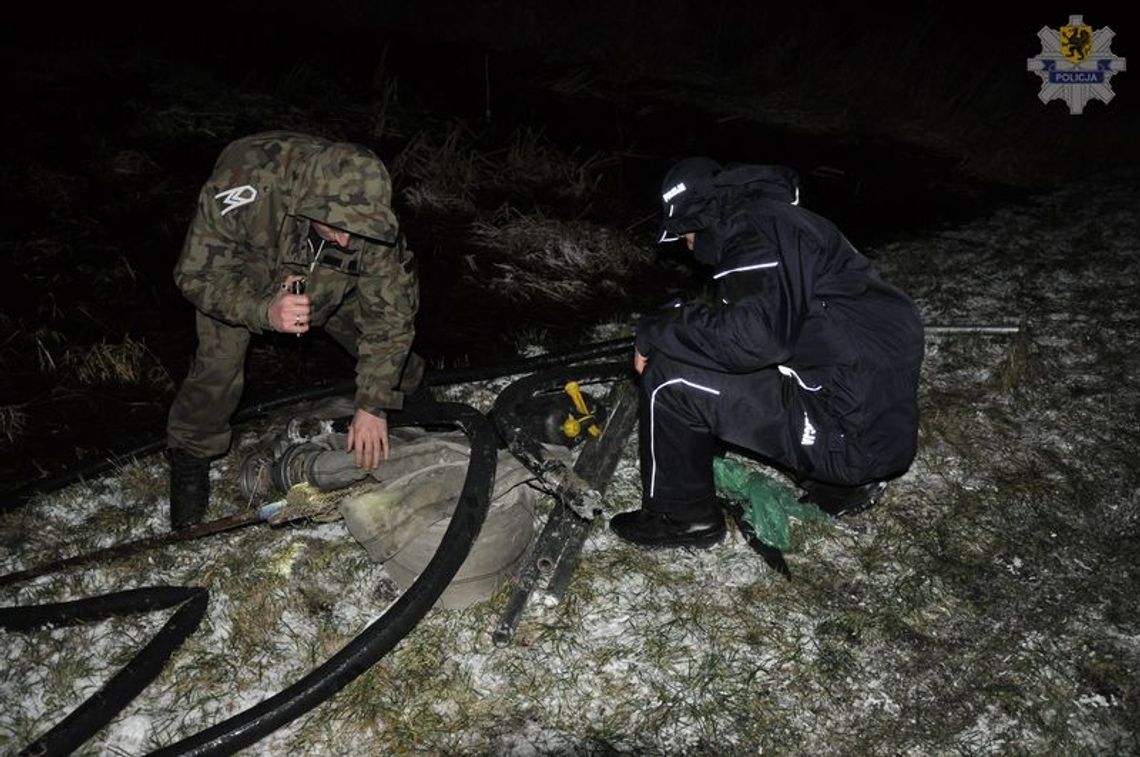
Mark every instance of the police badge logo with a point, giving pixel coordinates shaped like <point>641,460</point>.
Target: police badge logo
<point>1076,64</point>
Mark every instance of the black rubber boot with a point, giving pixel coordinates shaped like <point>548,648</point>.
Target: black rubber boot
<point>838,500</point>
<point>703,527</point>
<point>189,488</point>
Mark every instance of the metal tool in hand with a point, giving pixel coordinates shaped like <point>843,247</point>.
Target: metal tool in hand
<point>297,286</point>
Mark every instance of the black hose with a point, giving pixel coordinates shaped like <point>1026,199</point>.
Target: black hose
<point>384,633</point>
<point>101,707</point>
<point>91,609</point>
<point>590,352</point>
<point>357,656</point>
<point>22,494</point>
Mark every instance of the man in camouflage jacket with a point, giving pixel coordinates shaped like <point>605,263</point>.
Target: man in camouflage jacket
<point>291,231</point>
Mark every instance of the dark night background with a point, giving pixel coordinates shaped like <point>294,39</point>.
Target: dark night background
<point>897,120</point>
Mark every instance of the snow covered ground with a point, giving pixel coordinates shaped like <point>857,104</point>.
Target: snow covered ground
<point>988,605</point>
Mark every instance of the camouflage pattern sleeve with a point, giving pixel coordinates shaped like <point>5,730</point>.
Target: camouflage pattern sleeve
<point>389,298</point>
<point>225,265</point>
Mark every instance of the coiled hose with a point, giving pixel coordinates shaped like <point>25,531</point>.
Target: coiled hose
<point>357,656</point>
<point>98,710</point>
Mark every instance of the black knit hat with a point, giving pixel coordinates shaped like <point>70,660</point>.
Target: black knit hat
<point>686,194</point>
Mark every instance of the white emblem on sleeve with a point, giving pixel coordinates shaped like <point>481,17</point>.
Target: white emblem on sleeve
<point>236,197</point>
<point>807,439</point>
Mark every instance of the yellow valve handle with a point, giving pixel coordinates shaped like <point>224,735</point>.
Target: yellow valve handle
<point>576,397</point>
<point>572,426</point>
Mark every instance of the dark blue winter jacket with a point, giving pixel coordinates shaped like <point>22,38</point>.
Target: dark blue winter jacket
<point>793,294</point>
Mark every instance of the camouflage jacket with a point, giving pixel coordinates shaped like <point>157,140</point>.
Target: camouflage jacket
<point>252,228</point>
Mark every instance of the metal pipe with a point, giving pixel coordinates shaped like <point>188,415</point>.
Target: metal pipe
<point>975,329</point>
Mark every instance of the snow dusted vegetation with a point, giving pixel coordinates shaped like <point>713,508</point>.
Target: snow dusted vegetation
<point>988,605</point>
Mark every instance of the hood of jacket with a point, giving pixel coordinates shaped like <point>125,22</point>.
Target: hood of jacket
<point>346,186</point>
<point>713,193</point>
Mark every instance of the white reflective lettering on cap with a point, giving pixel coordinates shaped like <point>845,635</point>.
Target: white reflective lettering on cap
<point>673,192</point>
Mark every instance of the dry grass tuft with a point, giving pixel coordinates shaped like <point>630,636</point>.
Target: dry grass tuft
<point>536,259</point>
<point>106,363</point>
<point>13,422</point>
<point>444,165</point>
<point>129,362</point>
<point>447,169</point>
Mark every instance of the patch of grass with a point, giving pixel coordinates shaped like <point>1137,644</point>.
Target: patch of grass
<point>445,164</point>
<point>449,168</point>
<point>13,423</point>
<point>533,260</point>
<point>106,363</point>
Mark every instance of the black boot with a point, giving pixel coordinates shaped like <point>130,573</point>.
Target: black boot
<point>189,488</point>
<point>839,500</point>
<point>702,527</point>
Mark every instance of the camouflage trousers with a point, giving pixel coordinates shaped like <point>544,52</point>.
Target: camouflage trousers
<point>199,417</point>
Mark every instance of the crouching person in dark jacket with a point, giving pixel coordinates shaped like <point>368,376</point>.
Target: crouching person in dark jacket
<point>807,358</point>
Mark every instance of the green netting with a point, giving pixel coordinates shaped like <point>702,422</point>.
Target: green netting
<point>768,504</point>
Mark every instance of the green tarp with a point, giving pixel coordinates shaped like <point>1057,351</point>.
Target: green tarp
<point>768,504</point>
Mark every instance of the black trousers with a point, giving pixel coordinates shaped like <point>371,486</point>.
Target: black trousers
<point>686,412</point>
